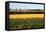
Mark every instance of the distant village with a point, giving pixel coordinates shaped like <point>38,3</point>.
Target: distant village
<point>25,10</point>
<point>21,11</point>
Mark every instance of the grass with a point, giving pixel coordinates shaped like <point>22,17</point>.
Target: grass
<point>29,23</point>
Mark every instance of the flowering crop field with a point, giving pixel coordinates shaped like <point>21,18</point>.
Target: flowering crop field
<point>26,21</point>
<point>14,16</point>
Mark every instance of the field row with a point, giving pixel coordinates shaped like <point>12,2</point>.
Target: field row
<point>26,23</point>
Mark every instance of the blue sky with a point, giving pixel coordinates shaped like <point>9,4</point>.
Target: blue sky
<point>27,6</point>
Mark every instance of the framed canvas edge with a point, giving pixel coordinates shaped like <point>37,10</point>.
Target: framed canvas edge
<point>7,12</point>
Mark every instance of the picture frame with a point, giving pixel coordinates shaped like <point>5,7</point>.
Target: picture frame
<point>7,14</point>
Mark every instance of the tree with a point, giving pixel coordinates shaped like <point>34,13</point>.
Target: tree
<point>16,9</point>
<point>19,9</point>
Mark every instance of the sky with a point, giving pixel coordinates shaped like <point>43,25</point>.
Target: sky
<point>25,6</point>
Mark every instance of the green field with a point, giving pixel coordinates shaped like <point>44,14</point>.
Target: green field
<point>34,23</point>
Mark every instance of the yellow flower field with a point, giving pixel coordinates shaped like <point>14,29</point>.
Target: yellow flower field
<point>14,16</point>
